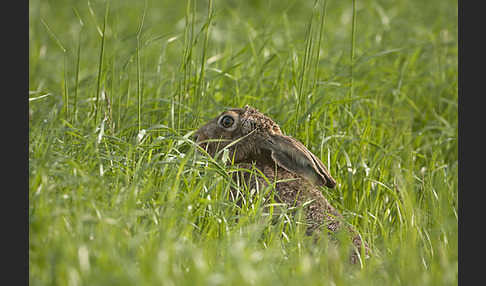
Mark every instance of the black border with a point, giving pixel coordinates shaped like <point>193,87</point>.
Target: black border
<point>15,140</point>
<point>471,79</point>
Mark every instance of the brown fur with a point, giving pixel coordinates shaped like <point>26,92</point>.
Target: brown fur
<point>263,144</point>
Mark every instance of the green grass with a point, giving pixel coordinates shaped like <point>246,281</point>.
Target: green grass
<point>117,195</point>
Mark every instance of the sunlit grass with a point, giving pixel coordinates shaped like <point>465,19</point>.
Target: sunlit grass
<point>118,194</point>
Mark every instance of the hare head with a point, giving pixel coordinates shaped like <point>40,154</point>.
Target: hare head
<point>251,136</point>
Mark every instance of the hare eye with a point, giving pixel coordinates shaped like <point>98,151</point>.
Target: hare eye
<point>227,121</point>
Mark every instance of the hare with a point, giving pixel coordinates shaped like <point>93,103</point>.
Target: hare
<point>257,140</point>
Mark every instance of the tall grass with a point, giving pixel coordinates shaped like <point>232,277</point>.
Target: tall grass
<point>369,86</point>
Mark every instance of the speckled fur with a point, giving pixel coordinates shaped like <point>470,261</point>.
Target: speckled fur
<point>255,128</point>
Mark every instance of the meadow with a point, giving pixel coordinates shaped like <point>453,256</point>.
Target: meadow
<point>118,195</point>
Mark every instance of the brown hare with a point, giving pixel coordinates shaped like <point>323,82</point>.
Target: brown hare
<point>252,138</point>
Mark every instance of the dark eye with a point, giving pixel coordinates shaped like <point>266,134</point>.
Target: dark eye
<point>227,121</point>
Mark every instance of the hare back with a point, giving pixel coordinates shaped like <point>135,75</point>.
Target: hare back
<point>293,191</point>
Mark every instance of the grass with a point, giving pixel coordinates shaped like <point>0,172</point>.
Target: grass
<point>117,195</point>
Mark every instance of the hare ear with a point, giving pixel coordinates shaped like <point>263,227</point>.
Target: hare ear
<point>293,156</point>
